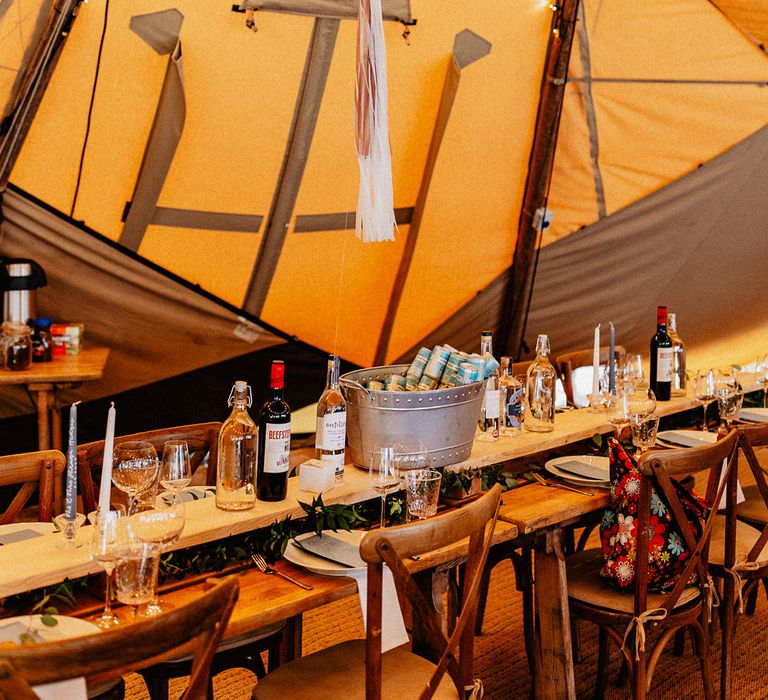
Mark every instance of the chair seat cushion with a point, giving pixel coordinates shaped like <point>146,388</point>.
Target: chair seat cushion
<point>753,508</point>
<point>746,536</point>
<point>339,672</point>
<point>587,586</point>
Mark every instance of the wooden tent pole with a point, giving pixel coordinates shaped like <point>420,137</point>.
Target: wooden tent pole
<point>44,58</point>
<point>514,310</point>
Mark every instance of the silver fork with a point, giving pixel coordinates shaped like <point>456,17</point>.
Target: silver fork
<point>546,482</point>
<point>261,563</point>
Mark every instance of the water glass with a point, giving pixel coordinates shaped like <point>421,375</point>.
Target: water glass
<point>729,396</point>
<point>175,468</point>
<point>422,491</point>
<point>136,574</point>
<point>644,429</point>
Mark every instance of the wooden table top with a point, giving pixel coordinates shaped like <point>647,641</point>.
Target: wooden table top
<point>87,365</point>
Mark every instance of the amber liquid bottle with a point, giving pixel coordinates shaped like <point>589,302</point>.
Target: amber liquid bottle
<point>274,440</point>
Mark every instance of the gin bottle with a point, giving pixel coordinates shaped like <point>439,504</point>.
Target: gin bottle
<point>511,400</point>
<point>489,414</point>
<point>331,430</point>
<point>236,467</point>
<point>678,357</point>
<point>540,390</point>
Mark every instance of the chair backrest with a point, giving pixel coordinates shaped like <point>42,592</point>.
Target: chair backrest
<point>196,627</point>
<point>751,436</point>
<point>391,546</point>
<point>33,471</point>
<point>657,468</point>
<point>566,363</point>
<point>201,438</point>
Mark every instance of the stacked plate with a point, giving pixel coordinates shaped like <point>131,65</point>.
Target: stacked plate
<point>583,470</point>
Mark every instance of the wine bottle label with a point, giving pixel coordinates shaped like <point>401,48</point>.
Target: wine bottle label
<point>338,463</point>
<point>664,360</point>
<point>491,403</point>
<point>277,445</point>
<point>331,431</point>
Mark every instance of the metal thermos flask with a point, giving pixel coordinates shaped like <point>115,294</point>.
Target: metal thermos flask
<point>19,278</point>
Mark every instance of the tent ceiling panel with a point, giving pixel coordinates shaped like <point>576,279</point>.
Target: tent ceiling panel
<point>650,102</point>
<point>749,16</point>
<point>328,277</point>
<point>20,23</point>
<point>189,253</point>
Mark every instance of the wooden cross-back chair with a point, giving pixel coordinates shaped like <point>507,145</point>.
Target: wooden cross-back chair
<point>35,472</point>
<point>358,668</point>
<point>628,617</point>
<point>198,625</point>
<point>742,559</point>
<point>566,363</point>
<point>201,438</point>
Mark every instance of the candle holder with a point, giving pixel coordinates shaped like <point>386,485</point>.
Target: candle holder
<point>69,528</point>
<point>597,402</point>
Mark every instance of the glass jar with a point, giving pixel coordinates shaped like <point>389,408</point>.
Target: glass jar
<point>17,346</point>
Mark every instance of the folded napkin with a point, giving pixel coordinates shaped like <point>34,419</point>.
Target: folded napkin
<point>740,497</point>
<point>687,439</point>
<point>328,547</point>
<point>755,414</point>
<point>19,536</point>
<point>393,633</point>
<point>583,469</point>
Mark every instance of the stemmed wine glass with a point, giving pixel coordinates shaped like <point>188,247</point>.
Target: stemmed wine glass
<point>704,390</point>
<point>175,468</point>
<point>135,468</point>
<point>642,402</point>
<point>617,410</point>
<point>136,574</point>
<point>633,370</point>
<point>160,524</point>
<point>383,474</point>
<point>107,537</point>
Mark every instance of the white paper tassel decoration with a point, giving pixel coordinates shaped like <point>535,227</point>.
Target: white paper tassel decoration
<point>375,209</point>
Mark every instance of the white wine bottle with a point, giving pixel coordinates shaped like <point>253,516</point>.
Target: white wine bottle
<point>331,432</point>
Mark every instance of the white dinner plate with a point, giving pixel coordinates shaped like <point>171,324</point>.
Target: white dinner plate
<point>686,438</point>
<point>12,628</point>
<point>754,415</point>
<point>19,532</point>
<point>602,463</point>
<point>318,565</point>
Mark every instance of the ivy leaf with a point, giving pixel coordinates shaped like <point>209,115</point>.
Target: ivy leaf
<point>597,439</point>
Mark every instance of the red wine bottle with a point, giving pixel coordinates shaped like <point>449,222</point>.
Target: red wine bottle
<point>274,440</point>
<point>661,358</point>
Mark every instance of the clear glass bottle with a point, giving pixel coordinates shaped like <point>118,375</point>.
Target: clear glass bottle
<point>489,413</point>
<point>236,468</point>
<point>678,357</point>
<point>17,346</point>
<point>511,400</point>
<point>540,390</point>
<point>331,432</point>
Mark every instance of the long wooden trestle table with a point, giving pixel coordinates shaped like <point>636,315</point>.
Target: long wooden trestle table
<point>532,510</point>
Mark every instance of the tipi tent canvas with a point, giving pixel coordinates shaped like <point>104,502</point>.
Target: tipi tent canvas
<point>190,168</point>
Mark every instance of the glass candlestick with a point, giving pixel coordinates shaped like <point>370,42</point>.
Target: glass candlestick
<point>68,529</point>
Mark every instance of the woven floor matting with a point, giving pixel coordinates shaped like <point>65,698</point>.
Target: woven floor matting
<point>501,661</point>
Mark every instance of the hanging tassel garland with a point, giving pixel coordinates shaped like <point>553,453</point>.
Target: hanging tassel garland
<point>375,218</point>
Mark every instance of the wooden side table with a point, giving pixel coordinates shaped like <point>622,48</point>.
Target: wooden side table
<point>44,379</point>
